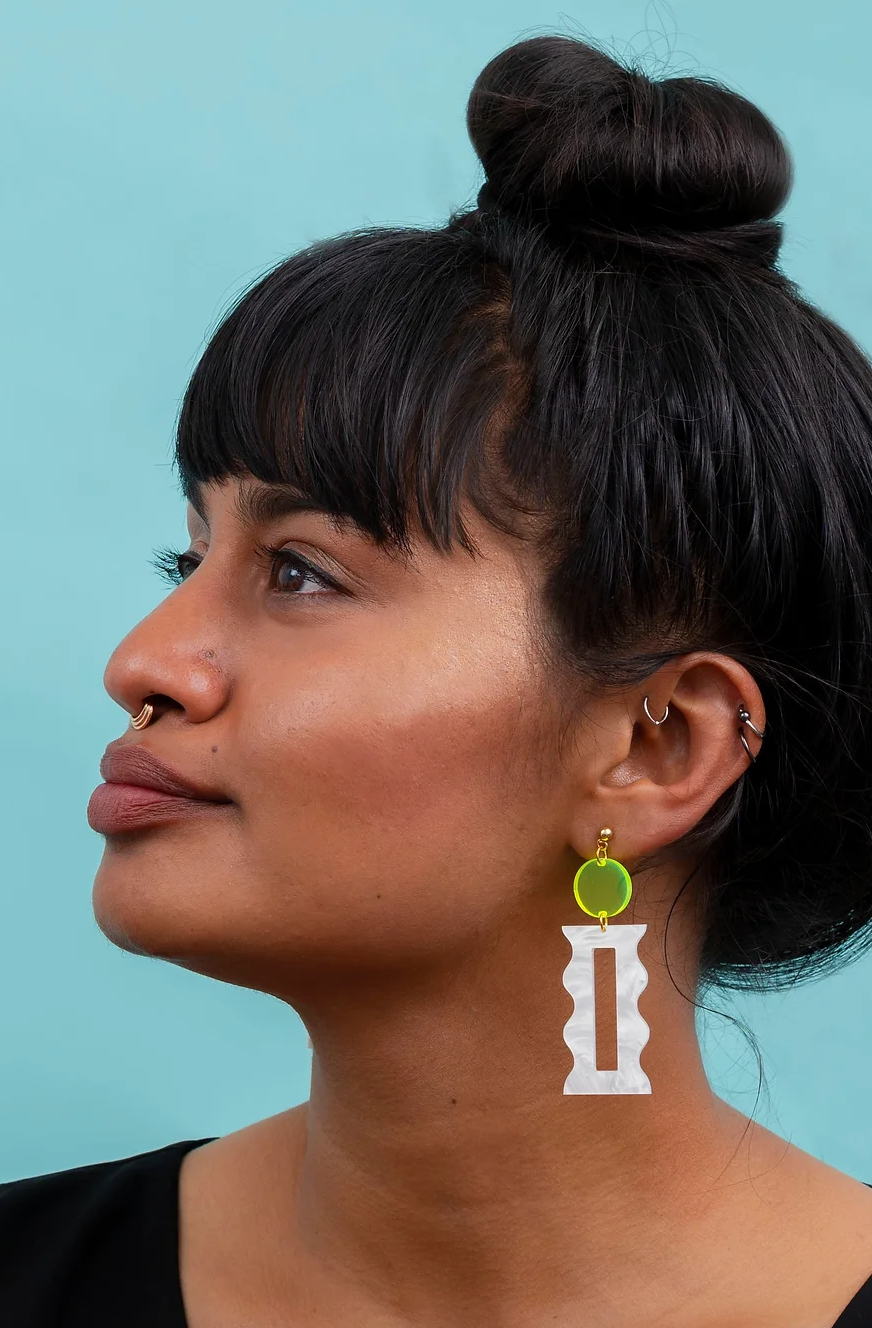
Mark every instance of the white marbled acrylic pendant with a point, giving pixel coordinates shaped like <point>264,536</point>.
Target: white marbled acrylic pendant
<point>631,979</point>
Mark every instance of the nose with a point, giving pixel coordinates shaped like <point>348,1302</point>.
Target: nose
<point>173,659</point>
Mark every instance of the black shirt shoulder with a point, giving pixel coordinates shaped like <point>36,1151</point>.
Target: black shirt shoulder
<point>94,1245</point>
<point>858,1314</point>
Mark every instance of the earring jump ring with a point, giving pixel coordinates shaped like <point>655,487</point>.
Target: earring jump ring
<point>144,717</point>
<point>651,717</point>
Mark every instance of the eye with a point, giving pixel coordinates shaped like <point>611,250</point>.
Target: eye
<point>173,566</point>
<point>290,571</point>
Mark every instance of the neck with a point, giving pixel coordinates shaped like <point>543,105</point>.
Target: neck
<point>445,1169</point>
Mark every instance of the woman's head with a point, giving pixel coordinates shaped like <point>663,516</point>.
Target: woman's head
<point>583,445</point>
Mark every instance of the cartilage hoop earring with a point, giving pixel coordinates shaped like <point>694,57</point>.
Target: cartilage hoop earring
<point>651,717</point>
<point>144,717</point>
<point>745,718</point>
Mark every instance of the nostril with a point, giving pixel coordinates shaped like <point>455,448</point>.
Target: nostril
<point>160,704</point>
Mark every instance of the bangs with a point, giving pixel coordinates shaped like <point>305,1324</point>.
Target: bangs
<point>367,373</point>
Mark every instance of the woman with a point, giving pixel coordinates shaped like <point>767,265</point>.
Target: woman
<point>519,548</point>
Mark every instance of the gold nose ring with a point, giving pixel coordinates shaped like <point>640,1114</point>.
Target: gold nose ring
<point>144,717</point>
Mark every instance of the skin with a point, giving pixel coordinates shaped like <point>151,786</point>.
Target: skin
<point>396,864</point>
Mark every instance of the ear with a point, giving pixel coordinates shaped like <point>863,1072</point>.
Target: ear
<point>651,783</point>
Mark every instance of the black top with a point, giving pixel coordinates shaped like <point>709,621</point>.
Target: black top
<point>98,1247</point>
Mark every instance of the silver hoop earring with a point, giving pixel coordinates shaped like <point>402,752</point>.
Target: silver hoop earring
<point>651,717</point>
<point>745,718</point>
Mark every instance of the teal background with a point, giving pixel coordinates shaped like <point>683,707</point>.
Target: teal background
<point>156,158</point>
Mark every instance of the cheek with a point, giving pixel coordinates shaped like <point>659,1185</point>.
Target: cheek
<point>394,787</point>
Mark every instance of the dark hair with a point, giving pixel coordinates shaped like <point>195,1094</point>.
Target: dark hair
<point>604,357</point>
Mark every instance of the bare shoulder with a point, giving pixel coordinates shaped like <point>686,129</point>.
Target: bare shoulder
<point>236,1164</point>
<point>784,1174</point>
<point>814,1221</point>
<point>235,1194</point>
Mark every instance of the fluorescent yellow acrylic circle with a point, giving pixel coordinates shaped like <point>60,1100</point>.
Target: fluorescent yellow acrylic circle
<point>602,887</point>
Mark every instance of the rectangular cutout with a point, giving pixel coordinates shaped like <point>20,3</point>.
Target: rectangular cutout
<point>606,1007</point>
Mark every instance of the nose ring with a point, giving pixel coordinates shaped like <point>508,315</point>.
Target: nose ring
<point>144,717</point>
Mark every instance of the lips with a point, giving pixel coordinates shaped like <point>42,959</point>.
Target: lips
<point>141,791</point>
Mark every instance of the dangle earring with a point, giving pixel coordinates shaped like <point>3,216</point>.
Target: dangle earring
<point>602,888</point>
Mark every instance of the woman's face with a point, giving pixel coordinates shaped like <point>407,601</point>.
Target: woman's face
<point>380,747</point>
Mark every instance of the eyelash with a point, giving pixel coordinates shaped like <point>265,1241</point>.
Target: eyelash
<point>173,566</point>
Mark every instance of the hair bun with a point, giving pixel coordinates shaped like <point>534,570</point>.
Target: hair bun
<point>572,139</point>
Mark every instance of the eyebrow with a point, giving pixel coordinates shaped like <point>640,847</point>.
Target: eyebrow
<point>260,504</point>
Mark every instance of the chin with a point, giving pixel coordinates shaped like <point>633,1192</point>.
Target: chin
<point>137,912</point>
<point>165,894</point>
<point>204,913</point>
